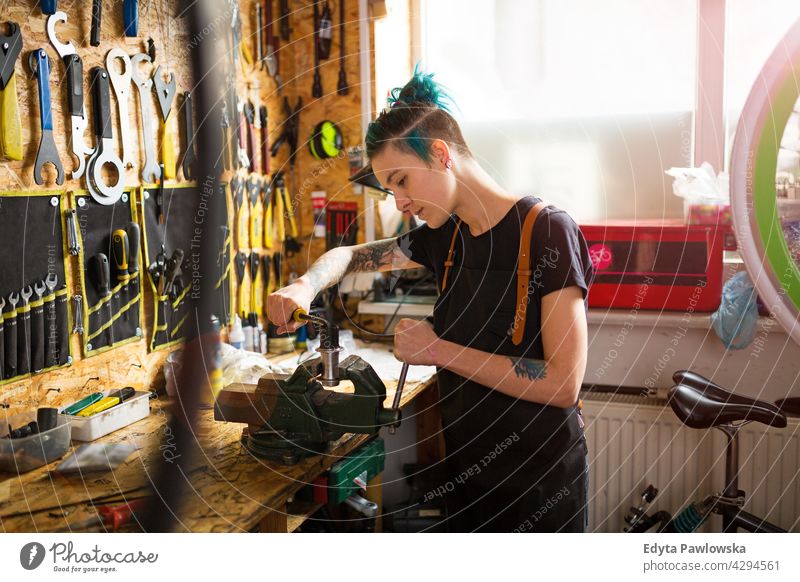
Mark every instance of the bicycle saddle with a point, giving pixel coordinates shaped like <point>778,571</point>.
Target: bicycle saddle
<point>700,403</point>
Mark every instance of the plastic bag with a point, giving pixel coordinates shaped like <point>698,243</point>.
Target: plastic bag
<point>700,184</point>
<point>736,319</point>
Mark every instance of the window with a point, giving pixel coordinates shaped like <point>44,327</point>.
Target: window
<point>588,103</point>
<point>575,100</point>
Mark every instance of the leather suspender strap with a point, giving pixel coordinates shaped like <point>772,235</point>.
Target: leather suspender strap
<point>449,261</point>
<point>524,272</point>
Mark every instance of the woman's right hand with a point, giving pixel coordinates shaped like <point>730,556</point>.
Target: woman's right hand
<point>282,304</point>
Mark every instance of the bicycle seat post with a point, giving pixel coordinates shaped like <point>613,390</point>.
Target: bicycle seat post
<point>731,467</point>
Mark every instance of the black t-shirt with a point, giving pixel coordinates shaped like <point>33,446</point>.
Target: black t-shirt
<point>477,310</point>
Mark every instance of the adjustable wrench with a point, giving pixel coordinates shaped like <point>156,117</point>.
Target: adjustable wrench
<point>151,173</point>
<point>40,65</point>
<point>122,83</point>
<point>104,152</point>
<point>74,67</point>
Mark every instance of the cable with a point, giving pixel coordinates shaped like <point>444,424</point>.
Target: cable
<point>403,300</point>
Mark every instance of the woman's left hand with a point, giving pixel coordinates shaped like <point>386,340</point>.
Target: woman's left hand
<point>415,342</point>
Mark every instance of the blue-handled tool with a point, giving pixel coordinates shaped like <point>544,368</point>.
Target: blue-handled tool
<point>48,6</point>
<point>40,66</point>
<point>130,15</point>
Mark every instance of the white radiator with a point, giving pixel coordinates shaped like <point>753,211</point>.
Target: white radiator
<point>635,441</point>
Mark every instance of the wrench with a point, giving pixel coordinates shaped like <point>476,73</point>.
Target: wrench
<point>151,173</point>
<point>38,328</point>
<point>73,246</point>
<point>165,91</point>
<point>103,193</point>
<point>78,327</point>
<point>121,83</point>
<point>24,331</point>
<point>50,282</point>
<point>40,65</point>
<point>74,73</point>
<point>11,337</point>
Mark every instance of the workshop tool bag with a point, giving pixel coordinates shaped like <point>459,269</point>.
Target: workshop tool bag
<point>111,310</point>
<point>34,327</point>
<point>171,234</point>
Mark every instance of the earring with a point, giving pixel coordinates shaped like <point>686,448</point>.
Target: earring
<point>449,163</point>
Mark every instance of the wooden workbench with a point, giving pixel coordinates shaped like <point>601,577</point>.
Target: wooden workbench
<point>228,489</point>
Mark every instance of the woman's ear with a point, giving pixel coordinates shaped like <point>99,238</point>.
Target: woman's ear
<point>440,151</point>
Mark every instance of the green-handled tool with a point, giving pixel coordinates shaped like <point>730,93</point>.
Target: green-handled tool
<point>75,408</point>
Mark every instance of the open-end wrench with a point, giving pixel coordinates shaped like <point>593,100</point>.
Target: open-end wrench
<point>74,73</point>
<point>103,193</point>
<point>122,85</point>
<point>151,173</point>
<point>40,65</point>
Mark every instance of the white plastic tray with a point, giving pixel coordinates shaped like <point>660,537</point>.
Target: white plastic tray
<point>93,427</point>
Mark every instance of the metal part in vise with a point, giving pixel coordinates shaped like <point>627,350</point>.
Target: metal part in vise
<point>299,417</point>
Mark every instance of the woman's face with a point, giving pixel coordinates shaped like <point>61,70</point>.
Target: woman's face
<point>421,190</point>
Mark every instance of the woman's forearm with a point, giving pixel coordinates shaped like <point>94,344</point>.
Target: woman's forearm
<point>524,378</point>
<point>330,268</point>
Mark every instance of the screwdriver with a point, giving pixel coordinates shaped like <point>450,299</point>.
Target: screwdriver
<point>102,279</point>
<point>109,401</point>
<point>119,249</point>
<point>240,262</point>
<point>132,230</point>
<point>75,408</point>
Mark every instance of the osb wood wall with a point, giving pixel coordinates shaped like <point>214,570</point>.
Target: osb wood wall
<point>132,365</point>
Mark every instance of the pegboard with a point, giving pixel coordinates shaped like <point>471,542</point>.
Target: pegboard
<point>159,21</point>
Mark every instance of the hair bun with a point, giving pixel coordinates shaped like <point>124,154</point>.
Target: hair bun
<point>421,90</point>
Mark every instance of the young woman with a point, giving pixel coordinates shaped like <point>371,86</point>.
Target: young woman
<point>508,376</point>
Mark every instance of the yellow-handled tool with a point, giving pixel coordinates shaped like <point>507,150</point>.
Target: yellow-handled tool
<point>108,402</point>
<point>300,315</point>
<point>165,90</point>
<point>267,189</point>
<point>10,127</point>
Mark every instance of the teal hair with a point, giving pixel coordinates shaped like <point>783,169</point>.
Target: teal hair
<point>418,113</point>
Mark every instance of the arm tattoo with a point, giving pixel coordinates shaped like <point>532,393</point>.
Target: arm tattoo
<point>528,368</point>
<point>372,256</point>
<point>335,264</point>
